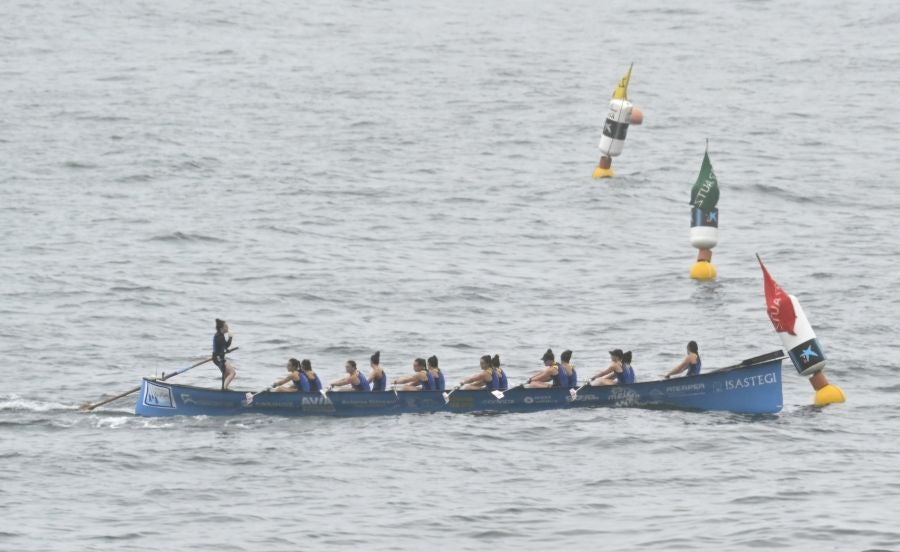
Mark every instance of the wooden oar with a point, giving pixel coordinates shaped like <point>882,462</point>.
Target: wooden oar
<point>88,406</point>
<point>574,392</point>
<point>452,391</point>
<point>499,394</point>
<point>248,398</point>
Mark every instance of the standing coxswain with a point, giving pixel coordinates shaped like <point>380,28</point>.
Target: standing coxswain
<point>221,344</point>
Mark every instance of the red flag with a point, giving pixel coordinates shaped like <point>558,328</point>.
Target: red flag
<point>778,304</point>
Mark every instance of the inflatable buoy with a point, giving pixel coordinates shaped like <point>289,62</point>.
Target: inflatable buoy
<point>621,114</point>
<point>799,339</point>
<point>705,220</point>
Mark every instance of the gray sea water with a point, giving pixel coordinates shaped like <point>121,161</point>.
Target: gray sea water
<point>339,177</point>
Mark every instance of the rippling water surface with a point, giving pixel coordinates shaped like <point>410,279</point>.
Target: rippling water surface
<point>335,178</point>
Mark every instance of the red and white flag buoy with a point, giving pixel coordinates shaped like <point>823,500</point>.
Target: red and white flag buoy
<point>798,337</point>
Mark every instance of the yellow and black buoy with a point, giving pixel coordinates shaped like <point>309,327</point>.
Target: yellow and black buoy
<point>622,113</point>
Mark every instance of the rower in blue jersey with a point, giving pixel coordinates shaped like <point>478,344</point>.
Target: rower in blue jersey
<point>551,376</point>
<point>313,384</point>
<point>377,377</point>
<point>691,362</point>
<point>614,373</point>
<point>420,380</point>
<point>565,361</point>
<point>292,382</point>
<point>354,381</point>
<point>221,344</point>
<point>502,381</point>
<point>439,381</point>
<point>486,378</point>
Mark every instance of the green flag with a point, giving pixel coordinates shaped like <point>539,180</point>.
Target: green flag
<point>705,193</point>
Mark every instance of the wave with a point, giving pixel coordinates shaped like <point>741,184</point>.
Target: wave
<point>186,237</point>
<point>15,403</point>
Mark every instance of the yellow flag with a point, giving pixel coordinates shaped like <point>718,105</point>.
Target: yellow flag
<point>621,92</point>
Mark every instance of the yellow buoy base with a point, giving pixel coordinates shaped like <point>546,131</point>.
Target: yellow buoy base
<point>703,271</point>
<point>603,173</point>
<point>830,394</point>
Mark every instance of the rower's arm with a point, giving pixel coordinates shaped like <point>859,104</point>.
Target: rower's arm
<point>282,381</point>
<point>680,368</point>
<point>544,375</point>
<point>406,379</point>
<point>340,382</point>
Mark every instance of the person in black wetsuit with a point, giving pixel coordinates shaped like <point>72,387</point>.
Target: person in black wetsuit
<point>220,347</point>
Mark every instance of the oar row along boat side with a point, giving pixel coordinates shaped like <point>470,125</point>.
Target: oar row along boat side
<point>753,388</point>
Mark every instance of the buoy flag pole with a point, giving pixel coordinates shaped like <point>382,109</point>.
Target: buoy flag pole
<point>799,339</point>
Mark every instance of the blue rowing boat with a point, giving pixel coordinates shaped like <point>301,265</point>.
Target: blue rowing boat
<point>752,387</point>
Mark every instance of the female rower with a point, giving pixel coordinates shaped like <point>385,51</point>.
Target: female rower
<point>565,361</point>
<point>551,376</point>
<point>291,382</point>
<point>611,375</point>
<point>377,377</point>
<point>420,380</point>
<point>691,362</point>
<point>439,382</point>
<point>502,381</point>
<point>314,383</point>
<point>355,380</point>
<point>487,378</point>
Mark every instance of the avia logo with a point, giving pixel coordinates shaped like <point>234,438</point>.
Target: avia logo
<point>808,353</point>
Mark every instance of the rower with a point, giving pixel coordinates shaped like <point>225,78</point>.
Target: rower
<point>291,382</point>
<point>314,384</point>
<point>565,361</point>
<point>610,376</point>
<point>487,378</point>
<point>355,380</point>
<point>551,376</point>
<point>502,381</point>
<point>377,377</point>
<point>627,375</point>
<point>691,362</point>
<point>220,347</point>
<point>439,382</point>
<point>420,380</point>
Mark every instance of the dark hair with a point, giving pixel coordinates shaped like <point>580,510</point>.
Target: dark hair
<point>352,363</point>
<point>548,356</point>
<point>692,347</point>
<point>495,362</point>
<point>486,359</point>
<point>433,361</point>
<point>294,363</point>
<point>626,357</point>
<point>305,365</point>
<point>616,353</point>
<point>374,359</point>
<point>420,362</point>
<point>566,356</point>
<point>219,324</point>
